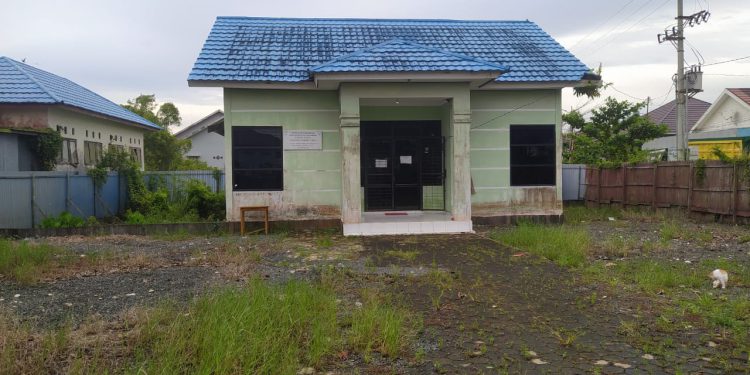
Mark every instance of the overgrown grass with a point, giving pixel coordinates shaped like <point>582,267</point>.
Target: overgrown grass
<point>407,255</point>
<point>268,329</point>
<point>24,262</point>
<point>381,326</point>
<point>28,263</point>
<point>262,329</point>
<point>565,245</point>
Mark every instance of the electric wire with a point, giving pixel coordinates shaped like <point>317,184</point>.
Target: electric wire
<point>728,61</point>
<point>602,24</point>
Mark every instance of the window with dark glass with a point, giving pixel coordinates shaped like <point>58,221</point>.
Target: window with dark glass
<point>532,155</point>
<point>257,158</point>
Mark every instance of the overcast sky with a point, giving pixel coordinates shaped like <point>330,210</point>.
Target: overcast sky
<point>121,49</point>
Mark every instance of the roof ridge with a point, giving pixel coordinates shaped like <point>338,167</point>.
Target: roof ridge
<point>29,76</point>
<point>414,44</point>
<point>422,20</point>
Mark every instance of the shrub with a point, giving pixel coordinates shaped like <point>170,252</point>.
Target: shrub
<point>207,204</point>
<point>64,220</point>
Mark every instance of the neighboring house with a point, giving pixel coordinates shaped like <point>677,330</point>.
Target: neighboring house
<point>391,126</point>
<point>725,125</point>
<point>207,138</point>
<point>32,100</point>
<point>667,115</point>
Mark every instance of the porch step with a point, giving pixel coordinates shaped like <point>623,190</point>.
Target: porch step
<point>407,227</point>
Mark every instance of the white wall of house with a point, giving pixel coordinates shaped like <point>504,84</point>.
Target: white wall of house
<point>728,113</point>
<point>208,147</point>
<point>83,127</point>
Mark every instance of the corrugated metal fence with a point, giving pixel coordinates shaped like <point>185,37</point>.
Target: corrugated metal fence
<point>574,182</point>
<point>26,198</point>
<point>713,188</point>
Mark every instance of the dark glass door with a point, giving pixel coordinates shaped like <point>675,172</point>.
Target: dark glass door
<point>398,160</point>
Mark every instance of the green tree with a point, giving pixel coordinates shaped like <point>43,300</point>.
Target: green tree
<point>613,135</point>
<point>162,150</point>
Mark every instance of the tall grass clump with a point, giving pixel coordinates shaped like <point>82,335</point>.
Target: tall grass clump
<point>24,262</point>
<point>261,329</point>
<point>381,326</point>
<point>565,245</point>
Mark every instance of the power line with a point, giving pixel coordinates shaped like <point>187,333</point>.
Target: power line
<point>628,95</point>
<point>631,26</point>
<point>605,35</point>
<point>726,75</point>
<point>728,61</point>
<point>602,24</point>
<point>511,111</point>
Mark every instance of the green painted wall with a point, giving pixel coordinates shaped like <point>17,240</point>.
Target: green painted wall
<point>492,113</point>
<point>312,178</point>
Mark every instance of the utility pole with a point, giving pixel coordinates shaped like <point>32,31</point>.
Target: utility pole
<point>677,36</point>
<point>681,101</point>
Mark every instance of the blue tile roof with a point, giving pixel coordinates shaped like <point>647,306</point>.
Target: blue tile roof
<point>287,50</point>
<point>25,84</point>
<point>398,55</point>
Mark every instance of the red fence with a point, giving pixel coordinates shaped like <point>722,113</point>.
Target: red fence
<point>712,188</point>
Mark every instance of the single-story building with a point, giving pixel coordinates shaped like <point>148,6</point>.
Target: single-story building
<point>726,125</point>
<point>667,115</point>
<point>33,100</point>
<point>391,126</point>
<point>207,139</point>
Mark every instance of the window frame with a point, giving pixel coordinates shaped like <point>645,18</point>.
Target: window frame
<point>279,148</point>
<point>98,151</point>
<point>135,155</point>
<point>72,155</point>
<point>552,145</point>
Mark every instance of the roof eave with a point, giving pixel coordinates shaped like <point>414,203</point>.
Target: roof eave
<point>106,117</point>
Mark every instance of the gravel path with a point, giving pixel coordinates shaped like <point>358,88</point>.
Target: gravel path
<point>49,304</point>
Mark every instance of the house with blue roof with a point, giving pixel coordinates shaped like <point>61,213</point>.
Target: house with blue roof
<point>33,100</point>
<point>390,126</point>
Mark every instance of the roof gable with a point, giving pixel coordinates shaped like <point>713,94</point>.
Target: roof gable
<point>667,114</point>
<point>715,118</point>
<point>213,118</point>
<point>23,84</point>
<point>244,49</point>
<point>397,55</point>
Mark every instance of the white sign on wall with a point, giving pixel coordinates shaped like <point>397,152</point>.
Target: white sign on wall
<point>303,140</point>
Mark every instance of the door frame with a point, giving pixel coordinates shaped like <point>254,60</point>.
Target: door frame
<point>393,138</point>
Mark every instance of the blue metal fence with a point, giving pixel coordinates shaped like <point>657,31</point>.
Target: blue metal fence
<point>27,198</point>
<point>574,182</point>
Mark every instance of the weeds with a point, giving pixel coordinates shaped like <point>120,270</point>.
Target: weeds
<point>381,326</point>
<point>407,255</point>
<point>580,214</point>
<point>261,329</point>
<point>565,245</point>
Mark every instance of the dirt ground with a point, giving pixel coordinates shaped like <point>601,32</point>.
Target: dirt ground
<point>486,308</point>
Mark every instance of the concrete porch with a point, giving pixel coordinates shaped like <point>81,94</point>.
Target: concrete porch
<point>406,222</point>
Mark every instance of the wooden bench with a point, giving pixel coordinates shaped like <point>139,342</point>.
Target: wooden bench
<point>263,209</point>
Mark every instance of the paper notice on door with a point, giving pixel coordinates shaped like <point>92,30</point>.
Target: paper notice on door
<point>381,163</point>
<point>405,159</point>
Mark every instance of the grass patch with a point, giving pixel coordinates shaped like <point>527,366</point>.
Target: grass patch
<point>261,329</point>
<point>24,262</point>
<point>565,245</point>
<point>579,213</point>
<point>269,329</point>
<point>407,255</point>
<point>381,326</point>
